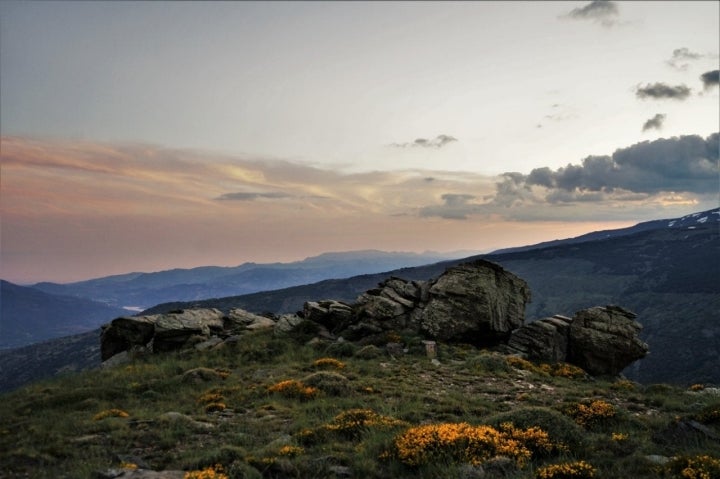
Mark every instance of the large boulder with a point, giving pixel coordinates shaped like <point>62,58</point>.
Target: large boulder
<point>390,305</point>
<point>604,340</point>
<point>477,302</point>
<point>159,332</point>
<point>542,340</point>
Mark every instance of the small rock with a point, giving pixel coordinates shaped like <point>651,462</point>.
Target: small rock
<point>657,459</point>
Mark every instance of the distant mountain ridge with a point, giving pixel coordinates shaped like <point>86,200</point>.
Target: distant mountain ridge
<point>688,221</point>
<point>142,290</point>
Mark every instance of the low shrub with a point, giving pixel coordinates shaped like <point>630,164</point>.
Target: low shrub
<point>110,413</point>
<point>566,470</point>
<point>693,467</point>
<point>591,414</point>
<point>330,383</point>
<point>294,389</point>
<point>560,428</point>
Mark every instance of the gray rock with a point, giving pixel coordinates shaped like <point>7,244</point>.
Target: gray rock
<point>286,323</point>
<point>543,340</point>
<point>329,313</point>
<point>604,340</point>
<point>167,332</point>
<point>476,302</point>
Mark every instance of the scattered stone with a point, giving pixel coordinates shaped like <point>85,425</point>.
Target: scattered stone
<point>470,471</point>
<point>201,375</point>
<point>657,459</point>
<point>173,416</point>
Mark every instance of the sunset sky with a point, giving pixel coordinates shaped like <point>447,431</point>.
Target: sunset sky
<point>141,136</point>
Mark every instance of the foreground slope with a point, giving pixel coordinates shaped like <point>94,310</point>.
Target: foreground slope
<point>276,406</point>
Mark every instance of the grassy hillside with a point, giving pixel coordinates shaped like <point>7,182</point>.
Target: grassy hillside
<point>281,407</point>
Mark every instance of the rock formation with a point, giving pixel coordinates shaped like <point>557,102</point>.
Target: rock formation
<point>604,340</point>
<point>601,340</point>
<point>478,303</point>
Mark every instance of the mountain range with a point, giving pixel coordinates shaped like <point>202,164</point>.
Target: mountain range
<point>30,314</point>
<point>666,271</point>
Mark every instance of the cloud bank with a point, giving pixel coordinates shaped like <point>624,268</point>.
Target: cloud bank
<point>660,91</point>
<point>654,123</point>
<point>604,12</point>
<point>663,172</point>
<point>89,209</point>
<point>710,79</point>
<point>681,58</point>
<point>437,142</point>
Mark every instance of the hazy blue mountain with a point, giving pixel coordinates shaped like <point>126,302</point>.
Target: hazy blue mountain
<point>28,315</point>
<point>142,290</point>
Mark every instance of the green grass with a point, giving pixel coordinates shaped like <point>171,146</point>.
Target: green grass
<point>48,429</point>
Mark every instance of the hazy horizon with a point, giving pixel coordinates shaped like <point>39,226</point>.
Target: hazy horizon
<point>144,136</point>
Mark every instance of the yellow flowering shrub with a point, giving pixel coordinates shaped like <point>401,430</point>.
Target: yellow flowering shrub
<point>623,385</point>
<point>520,363</point>
<point>457,442</point>
<point>566,470</point>
<point>130,466</point>
<point>213,472</point>
<point>697,387</point>
<point>563,370</point>
<point>294,389</point>
<point>533,438</point>
<point>619,437</point>
<point>353,422</point>
<point>696,467</point>
<point>328,363</point>
<point>591,414</point>
<point>110,413</point>
<point>290,451</point>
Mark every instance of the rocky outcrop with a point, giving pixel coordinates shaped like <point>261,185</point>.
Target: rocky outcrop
<point>601,340</point>
<point>476,302</point>
<point>160,332</point>
<point>542,340</point>
<point>604,340</point>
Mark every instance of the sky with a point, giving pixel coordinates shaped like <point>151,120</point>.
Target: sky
<point>142,136</point>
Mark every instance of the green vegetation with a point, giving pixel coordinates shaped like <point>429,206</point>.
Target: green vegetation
<point>270,407</point>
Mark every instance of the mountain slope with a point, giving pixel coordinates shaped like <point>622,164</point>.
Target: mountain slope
<point>28,315</point>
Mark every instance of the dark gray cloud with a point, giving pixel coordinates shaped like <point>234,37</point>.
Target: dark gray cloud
<point>710,78</point>
<point>437,142</point>
<point>455,207</point>
<point>600,11</point>
<point>252,196</point>
<point>681,57</point>
<point>654,123</point>
<point>659,91</point>
<point>680,164</point>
